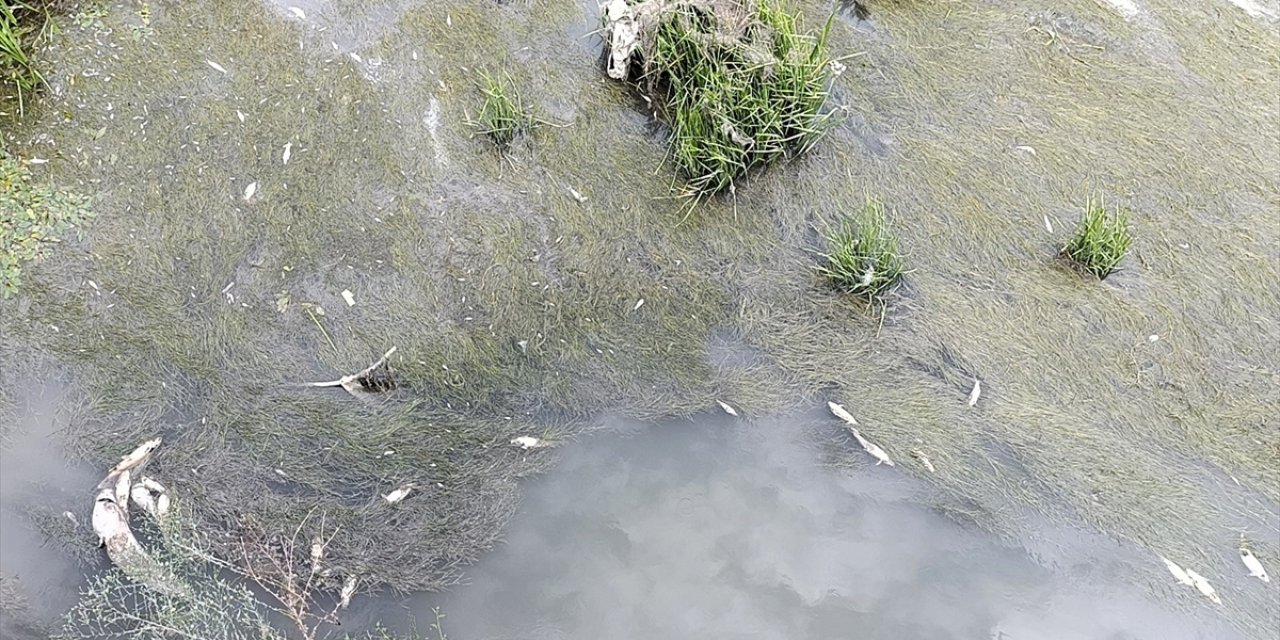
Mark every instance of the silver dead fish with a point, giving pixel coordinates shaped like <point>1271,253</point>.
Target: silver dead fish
<point>398,494</point>
<point>1202,585</point>
<point>924,460</point>
<point>976,393</point>
<point>1253,565</point>
<point>1178,573</point>
<point>728,409</point>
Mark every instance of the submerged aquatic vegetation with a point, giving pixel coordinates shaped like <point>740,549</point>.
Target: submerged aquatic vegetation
<point>503,116</point>
<point>864,259</point>
<point>22,26</point>
<point>1101,240</point>
<point>739,83</point>
<point>32,216</point>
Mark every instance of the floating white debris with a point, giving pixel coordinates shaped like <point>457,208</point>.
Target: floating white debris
<point>1179,573</point>
<point>349,297</point>
<point>839,412</point>
<point>1029,149</point>
<point>924,459</point>
<point>1048,226</point>
<point>976,393</point>
<point>1253,565</point>
<point>250,190</point>
<point>728,409</point>
<point>37,161</point>
<point>528,442</point>
<point>216,67</point>
<point>577,196</point>
<point>399,494</point>
<point>1202,585</point>
<point>298,12</point>
<point>639,303</point>
<point>288,152</point>
<point>1153,338</point>
<point>837,68</point>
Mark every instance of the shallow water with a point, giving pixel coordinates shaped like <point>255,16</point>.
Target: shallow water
<point>724,529</point>
<point>1141,410</point>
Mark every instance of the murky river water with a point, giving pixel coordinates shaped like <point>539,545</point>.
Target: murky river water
<point>1120,420</point>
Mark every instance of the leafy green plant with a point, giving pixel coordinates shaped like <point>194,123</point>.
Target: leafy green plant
<point>864,258</point>
<point>1101,240</point>
<point>32,217</point>
<point>503,116</point>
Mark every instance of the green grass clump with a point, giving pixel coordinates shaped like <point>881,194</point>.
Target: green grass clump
<point>740,85</point>
<point>864,259</point>
<point>31,218</point>
<point>1101,240</point>
<point>503,116</point>
<point>22,26</point>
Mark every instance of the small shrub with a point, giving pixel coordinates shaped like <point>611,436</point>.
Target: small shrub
<point>739,82</point>
<point>864,259</point>
<point>503,116</point>
<point>1101,240</point>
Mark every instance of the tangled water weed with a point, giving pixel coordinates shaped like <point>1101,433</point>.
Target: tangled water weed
<point>1101,240</point>
<point>864,260</point>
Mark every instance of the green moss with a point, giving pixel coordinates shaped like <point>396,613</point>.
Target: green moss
<point>1101,240</point>
<point>864,259</point>
<point>32,217</point>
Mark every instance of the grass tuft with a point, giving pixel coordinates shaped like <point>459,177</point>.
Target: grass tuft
<point>22,26</point>
<point>739,83</point>
<point>503,116</point>
<point>1101,241</point>
<point>864,259</point>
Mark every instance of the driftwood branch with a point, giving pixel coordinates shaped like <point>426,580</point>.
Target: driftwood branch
<point>372,379</point>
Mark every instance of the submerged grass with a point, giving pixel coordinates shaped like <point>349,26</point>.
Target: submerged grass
<point>864,258</point>
<point>1101,240</point>
<point>739,83</point>
<point>22,26</point>
<point>503,116</point>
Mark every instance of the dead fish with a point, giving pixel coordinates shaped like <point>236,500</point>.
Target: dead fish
<point>839,412</point>
<point>298,12</point>
<point>288,152</point>
<point>123,485</point>
<point>137,456</point>
<point>528,442</point>
<point>924,460</point>
<point>1202,585</point>
<point>1178,573</point>
<point>1028,149</point>
<point>240,115</point>
<point>317,553</point>
<point>577,196</point>
<point>1048,226</point>
<point>1253,565</point>
<point>398,494</point>
<point>75,523</point>
<point>250,190</point>
<point>639,303</point>
<point>976,393</point>
<point>216,67</point>
<point>728,409</point>
<point>348,590</point>
<point>871,448</point>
